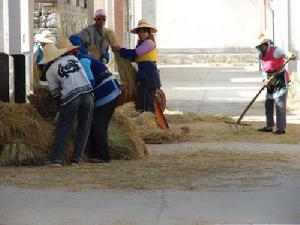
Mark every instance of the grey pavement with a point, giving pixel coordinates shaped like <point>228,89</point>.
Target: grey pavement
<point>212,90</point>
<point>163,207</point>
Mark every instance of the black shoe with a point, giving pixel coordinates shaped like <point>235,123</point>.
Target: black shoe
<point>75,163</point>
<point>266,129</point>
<point>53,164</point>
<point>96,160</point>
<point>279,132</point>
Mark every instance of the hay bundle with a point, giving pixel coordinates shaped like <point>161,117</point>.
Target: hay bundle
<point>151,133</point>
<point>124,141</point>
<point>43,102</point>
<point>148,129</point>
<point>126,69</point>
<point>25,138</point>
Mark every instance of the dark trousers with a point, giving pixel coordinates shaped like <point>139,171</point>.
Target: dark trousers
<point>280,106</point>
<point>80,109</point>
<point>98,135</point>
<point>145,97</point>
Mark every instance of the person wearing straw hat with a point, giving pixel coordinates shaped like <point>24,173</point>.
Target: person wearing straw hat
<point>39,71</point>
<point>145,55</point>
<point>272,60</point>
<point>68,80</point>
<point>106,91</point>
<point>92,38</point>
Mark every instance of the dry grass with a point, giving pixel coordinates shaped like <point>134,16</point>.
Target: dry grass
<point>124,141</point>
<point>203,128</point>
<point>27,131</point>
<point>148,129</point>
<point>193,170</point>
<point>25,137</point>
<point>213,128</point>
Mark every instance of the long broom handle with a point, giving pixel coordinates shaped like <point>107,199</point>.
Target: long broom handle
<point>261,89</point>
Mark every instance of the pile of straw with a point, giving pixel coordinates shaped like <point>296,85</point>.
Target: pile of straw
<point>148,129</point>
<point>43,102</point>
<point>124,140</point>
<point>126,69</point>
<point>25,137</point>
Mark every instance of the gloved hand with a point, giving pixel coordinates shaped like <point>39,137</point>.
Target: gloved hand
<point>292,56</point>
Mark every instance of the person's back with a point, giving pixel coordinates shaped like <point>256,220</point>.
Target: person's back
<point>66,77</point>
<point>106,87</point>
<point>68,81</point>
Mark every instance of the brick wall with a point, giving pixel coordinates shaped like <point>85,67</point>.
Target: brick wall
<point>119,20</point>
<point>71,17</point>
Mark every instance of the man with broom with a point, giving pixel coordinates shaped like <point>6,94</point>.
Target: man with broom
<point>272,61</point>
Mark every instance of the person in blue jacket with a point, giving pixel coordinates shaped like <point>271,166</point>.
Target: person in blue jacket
<point>106,91</point>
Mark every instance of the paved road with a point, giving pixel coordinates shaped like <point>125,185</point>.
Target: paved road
<point>216,90</point>
<point>212,90</point>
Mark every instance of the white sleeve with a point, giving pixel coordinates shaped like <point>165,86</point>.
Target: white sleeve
<point>53,82</point>
<point>279,53</point>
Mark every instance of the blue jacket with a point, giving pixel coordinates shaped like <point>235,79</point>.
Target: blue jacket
<point>106,86</point>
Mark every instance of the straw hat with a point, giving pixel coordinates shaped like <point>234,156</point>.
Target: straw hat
<point>144,24</point>
<point>41,38</point>
<point>262,40</point>
<point>51,52</point>
<point>67,44</point>
<point>44,37</point>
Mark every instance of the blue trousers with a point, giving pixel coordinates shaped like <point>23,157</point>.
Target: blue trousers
<point>280,105</point>
<point>80,109</point>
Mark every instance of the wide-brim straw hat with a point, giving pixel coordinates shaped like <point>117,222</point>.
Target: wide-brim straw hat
<point>51,52</point>
<point>41,38</point>
<point>67,44</point>
<point>262,40</point>
<point>144,24</point>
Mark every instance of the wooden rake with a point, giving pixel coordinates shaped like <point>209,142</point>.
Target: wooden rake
<point>273,76</point>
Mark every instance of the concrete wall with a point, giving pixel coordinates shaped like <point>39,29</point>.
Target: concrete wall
<point>287,28</point>
<point>193,24</point>
<point>149,11</point>
<point>287,36</point>
<point>1,27</point>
